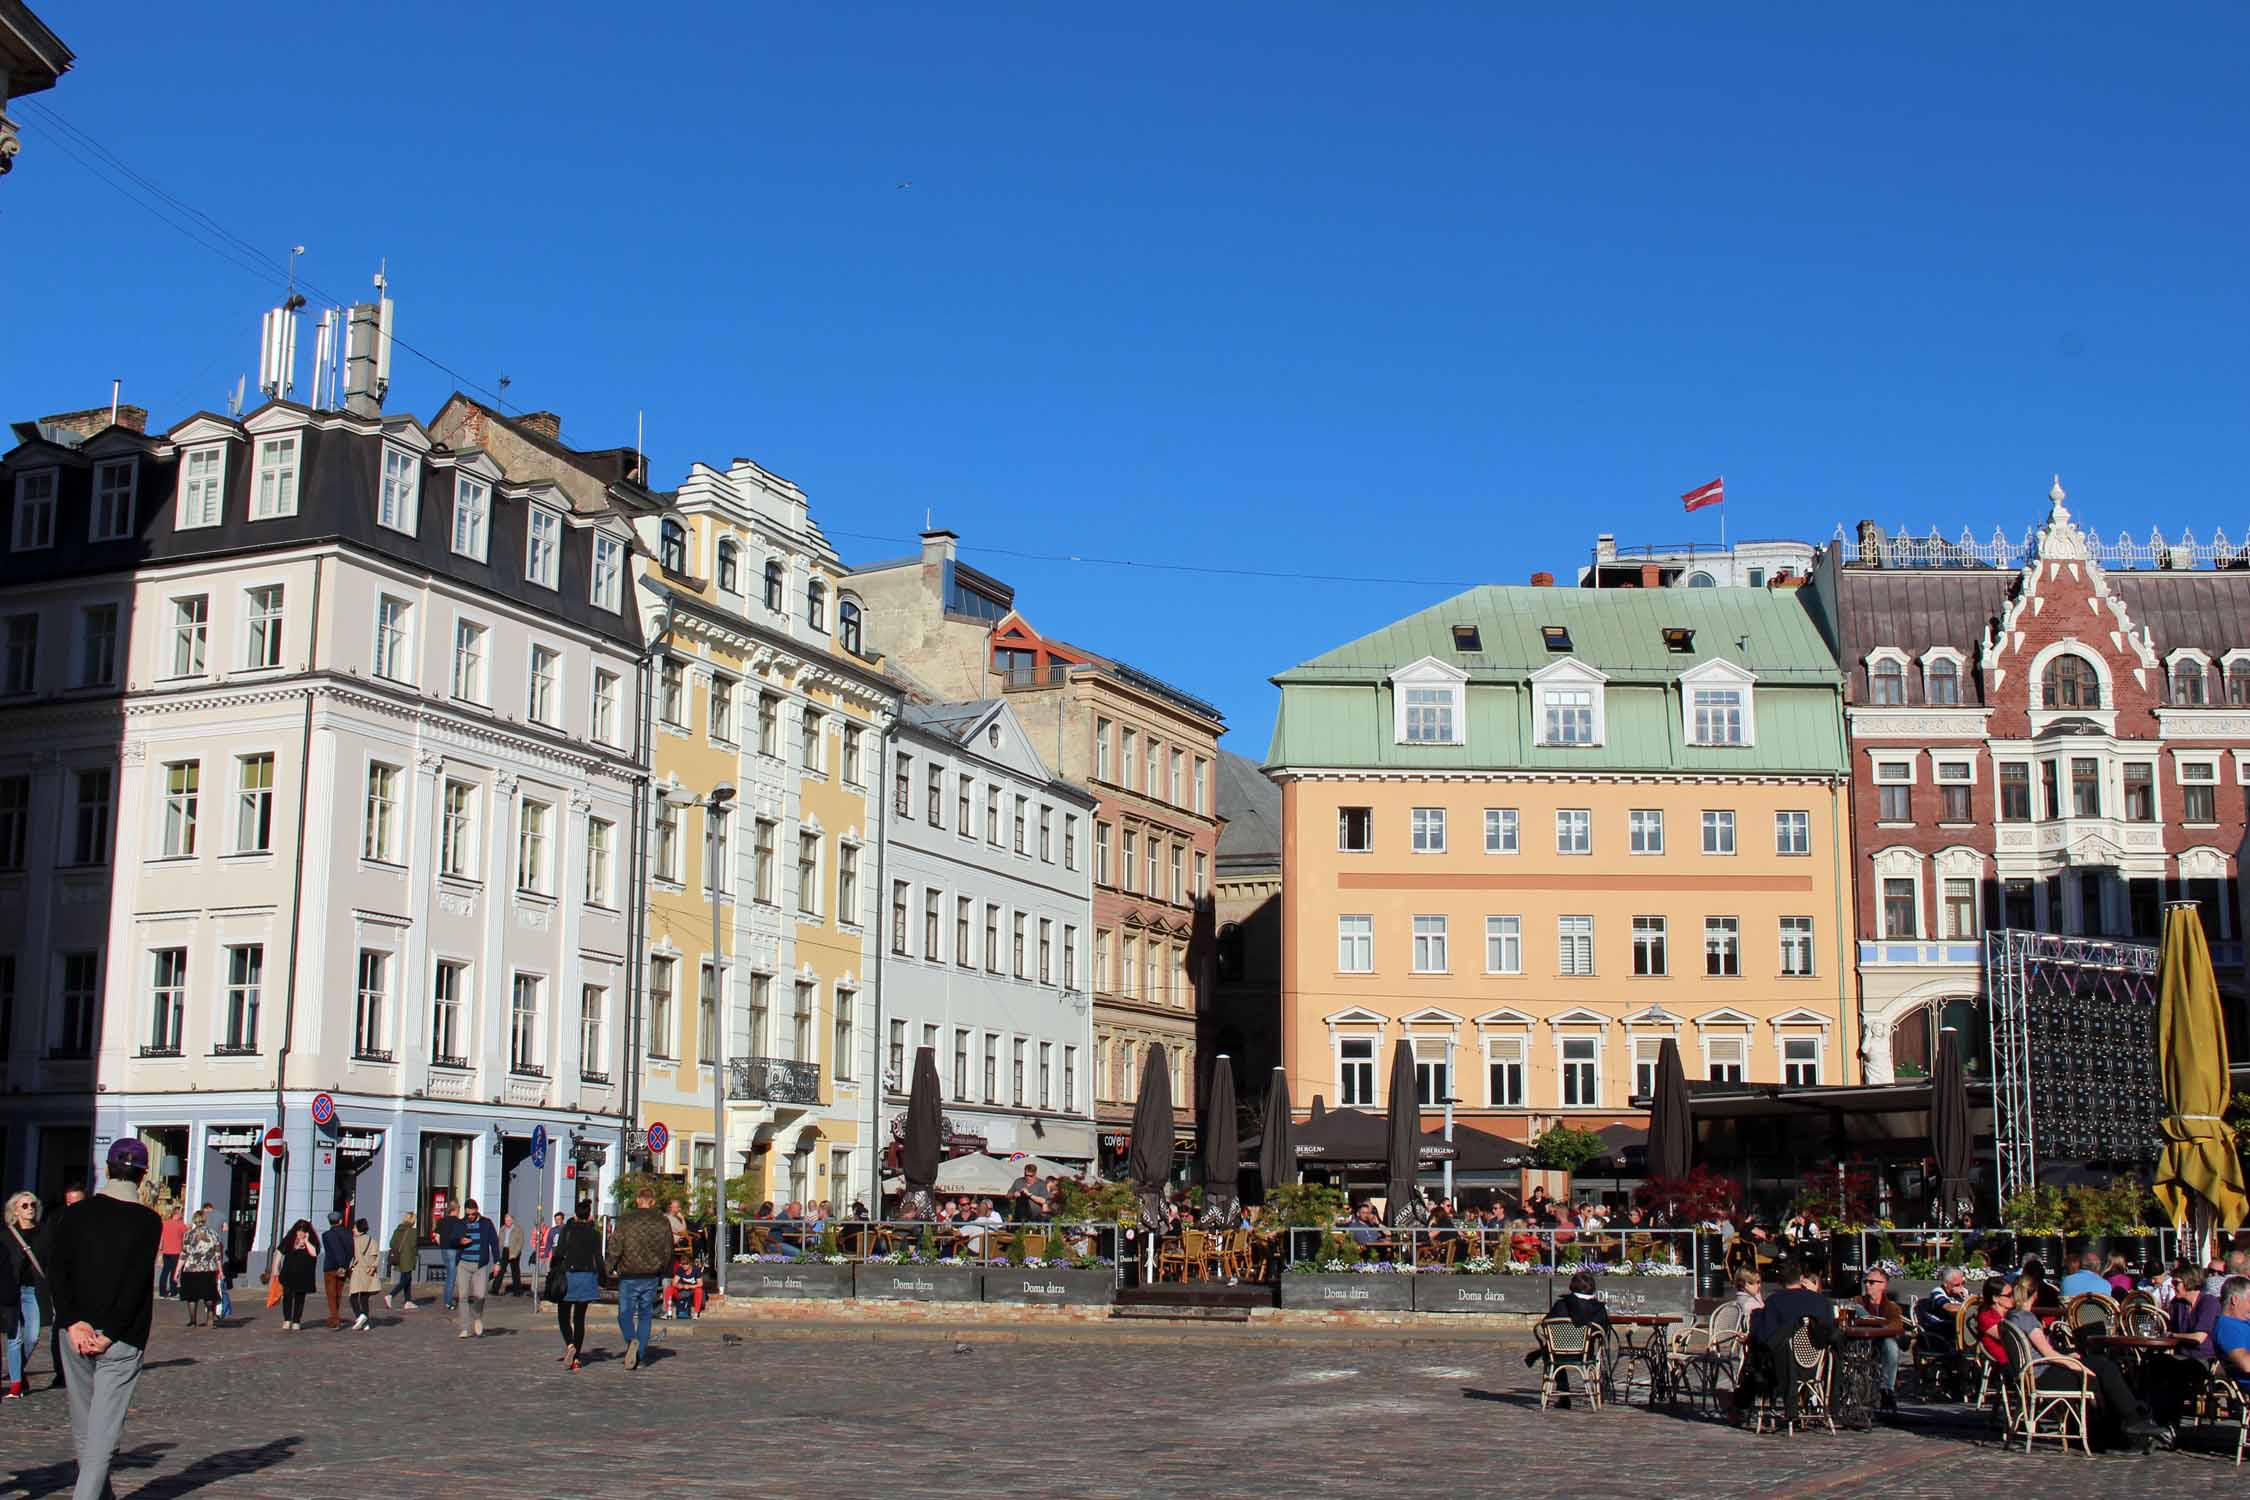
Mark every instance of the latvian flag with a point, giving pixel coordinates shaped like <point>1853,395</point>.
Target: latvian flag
<point>1714,493</point>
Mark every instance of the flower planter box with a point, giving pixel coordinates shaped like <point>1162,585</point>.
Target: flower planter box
<point>1349,1293</point>
<point>812,1280</point>
<point>1483,1294</point>
<point>1642,1294</point>
<point>1051,1286</point>
<point>1906,1292</point>
<point>888,1283</point>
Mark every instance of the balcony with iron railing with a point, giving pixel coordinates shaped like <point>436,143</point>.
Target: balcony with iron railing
<point>773,1080</point>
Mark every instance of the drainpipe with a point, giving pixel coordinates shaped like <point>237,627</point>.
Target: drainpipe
<point>296,895</point>
<point>636,935</point>
<point>1838,789</point>
<point>882,943</point>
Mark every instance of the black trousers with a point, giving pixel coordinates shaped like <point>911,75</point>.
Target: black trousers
<point>514,1264</point>
<point>570,1317</point>
<point>293,1306</point>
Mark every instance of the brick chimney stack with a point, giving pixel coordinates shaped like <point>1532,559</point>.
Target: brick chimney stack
<point>94,418</point>
<point>1542,580</point>
<point>546,423</point>
<point>1652,576</point>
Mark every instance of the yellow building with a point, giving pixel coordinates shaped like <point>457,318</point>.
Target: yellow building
<point>1538,831</point>
<point>761,685</point>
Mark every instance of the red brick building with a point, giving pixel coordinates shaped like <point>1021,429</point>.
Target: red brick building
<point>2054,736</point>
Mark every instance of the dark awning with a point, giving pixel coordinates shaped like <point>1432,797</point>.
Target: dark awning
<point>1355,1138</point>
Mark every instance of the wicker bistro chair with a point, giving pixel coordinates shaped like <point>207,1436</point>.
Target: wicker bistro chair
<point>2221,1403</point>
<point>2138,1316</point>
<point>1801,1392</point>
<point>1569,1347</point>
<point>1193,1254</point>
<point>1702,1357</point>
<point>2060,1412</point>
<point>2088,1313</point>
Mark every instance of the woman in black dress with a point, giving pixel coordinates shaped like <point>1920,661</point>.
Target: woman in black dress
<point>300,1269</point>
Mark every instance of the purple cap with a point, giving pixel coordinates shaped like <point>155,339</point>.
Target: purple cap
<point>127,1151</point>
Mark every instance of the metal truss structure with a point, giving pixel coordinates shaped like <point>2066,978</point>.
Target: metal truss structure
<point>2073,1053</point>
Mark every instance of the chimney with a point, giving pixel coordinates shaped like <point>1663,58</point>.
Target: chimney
<point>94,418</point>
<point>940,546</point>
<point>360,398</point>
<point>546,423</point>
<point>1652,576</point>
<point>1605,548</point>
<point>1542,580</point>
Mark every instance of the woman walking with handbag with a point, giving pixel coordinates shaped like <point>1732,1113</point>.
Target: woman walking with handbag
<point>299,1270</point>
<point>574,1278</point>
<point>366,1273</point>
<point>406,1249</point>
<point>17,1239</point>
<point>200,1259</point>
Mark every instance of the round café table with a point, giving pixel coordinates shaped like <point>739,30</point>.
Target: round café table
<point>1644,1364</point>
<point>1855,1373</point>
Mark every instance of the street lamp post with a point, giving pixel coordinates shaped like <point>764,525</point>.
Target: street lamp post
<point>1450,1094</point>
<point>713,806</point>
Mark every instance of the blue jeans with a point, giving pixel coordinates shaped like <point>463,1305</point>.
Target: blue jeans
<point>452,1262</point>
<point>27,1336</point>
<point>636,1308</point>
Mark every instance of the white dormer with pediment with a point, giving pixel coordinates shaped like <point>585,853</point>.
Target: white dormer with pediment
<point>1429,704</point>
<point>1718,706</point>
<point>1566,704</point>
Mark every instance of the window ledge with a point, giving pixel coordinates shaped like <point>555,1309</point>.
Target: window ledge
<point>677,731</point>
<point>241,856</point>
<point>376,866</point>
<point>172,859</point>
<point>535,898</point>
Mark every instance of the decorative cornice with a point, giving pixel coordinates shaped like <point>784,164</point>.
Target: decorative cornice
<point>1561,777</point>
<point>1901,723</point>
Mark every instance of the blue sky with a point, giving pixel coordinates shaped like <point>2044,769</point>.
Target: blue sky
<point>1405,292</point>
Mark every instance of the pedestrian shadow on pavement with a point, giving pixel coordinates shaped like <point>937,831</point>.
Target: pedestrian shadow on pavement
<point>57,1479</point>
<point>182,1362</point>
<point>215,1468</point>
<point>1520,1399</point>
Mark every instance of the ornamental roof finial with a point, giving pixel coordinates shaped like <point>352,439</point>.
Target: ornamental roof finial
<point>2056,494</point>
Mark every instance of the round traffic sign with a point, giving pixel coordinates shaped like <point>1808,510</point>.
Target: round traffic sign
<point>658,1138</point>
<point>275,1143</point>
<point>323,1110</point>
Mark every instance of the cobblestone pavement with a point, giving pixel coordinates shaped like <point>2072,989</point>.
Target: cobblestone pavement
<point>756,1410</point>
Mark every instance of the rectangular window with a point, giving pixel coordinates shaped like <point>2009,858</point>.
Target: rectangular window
<point>394,655</point>
<point>202,488</point>
<point>808,872</point>
<point>842,1047</point>
<point>253,810</point>
<point>1800,1061</point>
<point>167,1002</point>
<point>1150,888</point>
<point>1101,749</point>
<point>671,693</point>
<point>402,490</point>
<point>1070,841</point>
<point>2085,787</point>
<point>1070,1078</point>
<point>991,1058</point>
<point>1581,1072</point>
<point>2140,792</point>
<point>191,634</point>
<point>1500,828</point>
<point>992,816</point>
<point>1722,947</point>
<point>1718,716</point>
<point>1503,1062</point>
<point>472,517</point>
<point>847,883</point>
<point>1574,945</point>
<point>1355,1066</point>
<point>721,725</point>
<point>81,995</point>
<point>1155,754</point>
<point>1574,831</point>
<point>246,972</point>
<point>22,666</point>
<point>932,903</point>
<point>1429,716</point>
<point>1960,908</point>
<point>1723,1055</point>
<point>90,804</point>
<point>662,972</point>
<point>757,1038</point>
<point>1429,945</point>
<point>991,938</point>
<point>895,1067</point>
<point>1101,853</point>
<point>1568,716</point>
<point>1646,826</point>
<point>262,606</point>
<point>113,502</point>
<point>1069,957</point>
<point>605,707</point>
<point>848,755</point>
<point>523,1025</point>
<point>1046,834</point>
<point>902,786</point>
<point>960,1065</point>
<point>664,843</point>
<point>1102,979</point>
<point>1016,1095</point>
<point>542,548</point>
<point>1046,950</point>
<point>763,834</point>
<point>1898,908</point>
<point>183,789</point>
<point>35,511</point>
<point>608,588</point>
<point>1647,1050</point>
<point>769,725</point>
<point>1202,777</point>
<point>964,948</point>
<point>1648,947</point>
<point>1126,847</point>
<point>468,661</point>
<point>1179,876</point>
<point>543,692</point>
<point>97,645</point>
<point>372,1008</point>
<point>1718,832</point>
<point>593,1009</point>
<point>1894,804</point>
<point>1432,1086</point>
<point>276,492</point>
<point>1174,769</point>
<point>532,847</point>
<point>1355,945</point>
<point>15,821</point>
<point>601,846</point>
<point>1355,830</point>
<point>1953,802</point>
<point>1022,825</point>
<point>808,740</point>
<point>1796,947</point>
<point>899,902</point>
<point>2015,792</point>
<point>1503,945</point>
<point>2198,792</point>
<point>1792,833</point>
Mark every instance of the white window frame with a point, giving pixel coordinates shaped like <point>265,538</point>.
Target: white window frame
<point>602,713</point>
<point>472,511</point>
<point>395,650</point>
<point>1719,831</point>
<point>1427,825</point>
<point>202,495</point>
<point>1503,830</point>
<point>1566,964</point>
<point>542,554</point>
<point>543,707</point>
<point>473,684</point>
<point>1515,1037</point>
<point>281,469</point>
<point>1574,825</point>
<point>1503,937</point>
<point>398,501</point>
<point>1431,679</point>
<point>1780,844</point>
<point>1370,1031</point>
<point>1578,1031</point>
<point>1722,675</point>
<point>1644,828</point>
<point>1430,954</point>
<point>1570,676</point>
<point>606,586</point>
<point>198,631</point>
<point>1891,655</point>
<point>263,627</point>
<point>1783,939</point>
<point>1351,942</point>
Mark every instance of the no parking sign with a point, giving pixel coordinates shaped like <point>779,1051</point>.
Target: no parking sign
<point>658,1138</point>
<point>323,1110</point>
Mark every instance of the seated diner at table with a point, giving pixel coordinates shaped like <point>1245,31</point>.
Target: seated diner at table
<point>2116,1408</point>
<point>2044,1299</point>
<point>1934,1315</point>
<point>1874,1305</point>
<point>2086,1278</point>
<point>1774,1325</point>
<point>1581,1306</point>
<point>2230,1332</point>
<point>2120,1277</point>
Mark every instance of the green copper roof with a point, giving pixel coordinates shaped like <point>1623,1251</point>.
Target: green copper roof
<point>1336,709</point>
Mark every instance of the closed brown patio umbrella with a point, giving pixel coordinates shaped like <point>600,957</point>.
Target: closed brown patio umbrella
<point>1402,1158</point>
<point>1949,1129</point>
<point>1222,1151</point>
<point>1671,1129</point>
<point>919,1148</point>
<point>1277,1143</point>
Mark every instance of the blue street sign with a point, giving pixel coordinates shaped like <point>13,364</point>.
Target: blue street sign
<point>658,1138</point>
<point>539,1146</point>
<point>323,1110</point>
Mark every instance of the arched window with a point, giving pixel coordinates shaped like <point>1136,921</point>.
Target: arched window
<point>1886,681</point>
<point>773,584</point>
<point>847,626</point>
<point>2188,685</point>
<point>1701,581</point>
<point>672,554</point>
<point>1941,682</point>
<point>2238,683</point>
<point>2071,683</point>
<point>730,568</point>
<point>816,605</point>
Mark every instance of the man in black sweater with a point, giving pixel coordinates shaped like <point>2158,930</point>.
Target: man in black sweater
<point>102,1280</point>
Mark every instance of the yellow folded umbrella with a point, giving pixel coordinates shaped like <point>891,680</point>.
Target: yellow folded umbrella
<point>2200,1167</point>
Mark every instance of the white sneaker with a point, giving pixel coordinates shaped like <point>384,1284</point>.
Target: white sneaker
<point>408,1308</point>
<point>464,1333</point>
<point>359,1324</point>
<point>386,1301</point>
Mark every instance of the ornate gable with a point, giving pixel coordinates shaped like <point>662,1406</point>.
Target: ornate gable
<point>2060,577</point>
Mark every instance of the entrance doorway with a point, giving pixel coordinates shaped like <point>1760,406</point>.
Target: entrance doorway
<point>356,1151</point>
<point>233,1176</point>
<point>167,1160</point>
<point>519,1183</point>
<point>65,1161</point>
<point>443,1177</point>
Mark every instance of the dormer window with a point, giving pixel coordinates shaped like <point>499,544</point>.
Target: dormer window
<point>402,490</point>
<point>1556,637</point>
<point>35,510</point>
<point>671,547</point>
<point>114,484</point>
<point>203,473</point>
<point>1717,704</point>
<point>1718,716</point>
<point>2071,683</point>
<point>1467,638</point>
<point>1886,683</point>
<point>276,492</point>
<point>472,517</point>
<point>542,547</point>
<point>1941,683</point>
<point>608,586</point>
<point>2189,683</point>
<point>1568,707</point>
<point>2238,681</point>
<point>1428,707</point>
<point>848,627</point>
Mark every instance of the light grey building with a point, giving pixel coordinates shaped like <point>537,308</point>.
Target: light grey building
<point>988,915</point>
<point>1694,565</point>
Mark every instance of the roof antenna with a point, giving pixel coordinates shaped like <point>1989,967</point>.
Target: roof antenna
<point>640,422</point>
<point>926,518</point>
<point>505,382</point>
<point>234,400</point>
